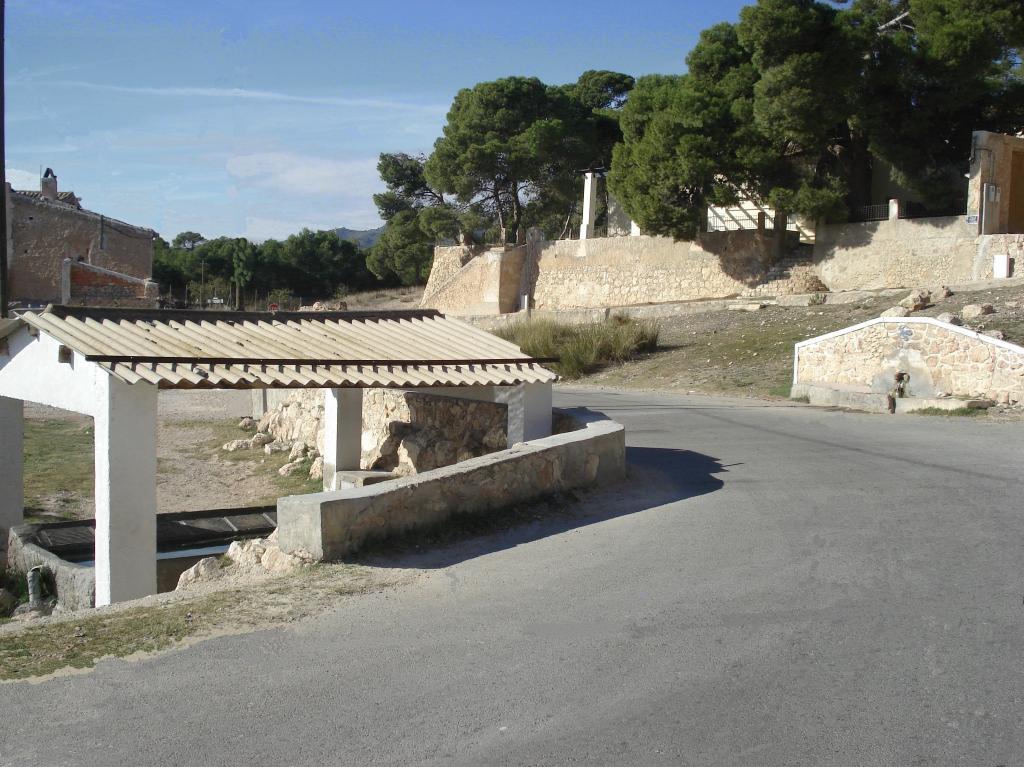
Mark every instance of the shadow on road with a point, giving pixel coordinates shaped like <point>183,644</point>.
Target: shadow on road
<point>656,476</point>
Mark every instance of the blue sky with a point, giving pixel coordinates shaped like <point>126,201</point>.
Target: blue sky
<point>258,118</point>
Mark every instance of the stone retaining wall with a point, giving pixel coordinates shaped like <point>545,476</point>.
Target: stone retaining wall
<point>405,432</point>
<point>613,271</point>
<point>333,524</point>
<point>75,584</point>
<point>942,359</point>
<point>899,253</point>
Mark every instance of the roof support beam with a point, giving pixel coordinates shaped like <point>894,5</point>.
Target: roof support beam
<point>125,435</point>
<point>12,487</point>
<point>343,433</point>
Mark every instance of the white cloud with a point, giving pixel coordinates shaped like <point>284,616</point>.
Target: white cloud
<point>294,174</point>
<point>245,93</point>
<point>22,179</point>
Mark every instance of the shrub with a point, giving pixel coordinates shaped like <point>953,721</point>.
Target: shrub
<point>581,349</point>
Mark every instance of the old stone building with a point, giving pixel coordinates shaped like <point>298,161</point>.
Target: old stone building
<point>62,253</point>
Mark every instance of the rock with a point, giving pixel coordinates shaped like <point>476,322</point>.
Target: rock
<point>272,538</point>
<point>237,445</point>
<point>496,438</point>
<point>895,312</point>
<point>276,561</point>
<point>261,438</point>
<point>297,451</point>
<point>278,446</point>
<point>942,292</point>
<point>290,467</point>
<point>915,300</point>
<point>204,570</point>
<point>1011,304</point>
<point>248,423</point>
<point>247,553</point>
<point>751,307</point>
<point>974,311</point>
<point>995,334</point>
<point>316,469</point>
<point>949,317</point>
<point>27,612</point>
<point>8,602</point>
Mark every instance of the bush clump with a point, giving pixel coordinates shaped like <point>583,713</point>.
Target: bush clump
<point>581,349</point>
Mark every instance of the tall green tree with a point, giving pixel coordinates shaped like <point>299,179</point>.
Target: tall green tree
<point>511,143</point>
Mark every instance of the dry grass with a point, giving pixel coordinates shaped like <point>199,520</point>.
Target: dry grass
<point>407,297</point>
<point>58,466</point>
<point>751,353</point>
<point>80,640</point>
<point>223,431</point>
<point>581,349</point>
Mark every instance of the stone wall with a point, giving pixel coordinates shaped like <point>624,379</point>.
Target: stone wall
<point>617,271</point>
<point>336,523</point>
<point>487,284</point>
<point>899,253</point>
<point>405,432</point>
<point>42,234</point>
<point>942,359</point>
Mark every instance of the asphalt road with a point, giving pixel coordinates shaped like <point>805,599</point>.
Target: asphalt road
<point>777,584</point>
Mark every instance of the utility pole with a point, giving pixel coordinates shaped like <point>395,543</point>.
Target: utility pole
<point>4,293</point>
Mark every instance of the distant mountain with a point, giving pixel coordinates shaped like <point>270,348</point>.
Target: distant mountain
<point>364,238</point>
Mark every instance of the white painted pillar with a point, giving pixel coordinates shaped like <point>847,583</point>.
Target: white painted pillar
<point>343,433</point>
<point>589,205</point>
<point>529,412</point>
<point>125,437</point>
<point>634,229</point>
<point>12,486</point>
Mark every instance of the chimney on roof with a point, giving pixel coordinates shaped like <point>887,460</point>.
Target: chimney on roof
<point>48,185</point>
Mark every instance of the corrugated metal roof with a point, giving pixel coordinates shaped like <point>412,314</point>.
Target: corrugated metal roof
<point>186,350</point>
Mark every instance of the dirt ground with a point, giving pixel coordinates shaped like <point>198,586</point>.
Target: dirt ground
<point>192,473</point>
<point>751,353</point>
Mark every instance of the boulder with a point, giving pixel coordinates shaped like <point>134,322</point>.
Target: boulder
<point>974,311</point>
<point>248,423</point>
<point>290,467</point>
<point>915,300</point>
<point>237,445</point>
<point>260,439</point>
<point>1011,305</point>
<point>316,469</point>
<point>297,451</point>
<point>949,317</point>
<point>495,439</point>
<point>278,446</point>
<point>204,570</point>
<point>276,561</point>
<point>895,312</point>
<point>942,292</point>
<point>247,553</point>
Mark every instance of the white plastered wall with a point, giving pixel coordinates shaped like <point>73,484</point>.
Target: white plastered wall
<point>125,455</point>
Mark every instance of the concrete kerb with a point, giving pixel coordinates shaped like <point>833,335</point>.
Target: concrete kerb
<point>334,524</point>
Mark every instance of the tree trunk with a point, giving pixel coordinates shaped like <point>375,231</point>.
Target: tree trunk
<point>517,214</point>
